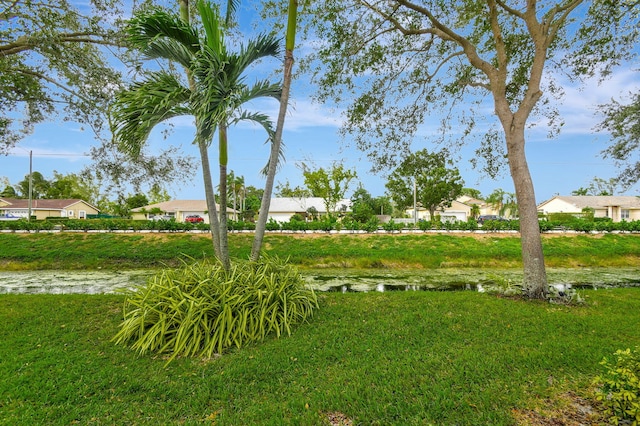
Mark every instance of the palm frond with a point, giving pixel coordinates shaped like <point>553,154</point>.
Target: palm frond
<point>266,122</point>
<point>232,7</point>
<point>262,47</point>
<point>147,28</point>
<point>260,89</point>
<point>211,23</point>
<point>257,118</point>
<point>168,49</point>
<point>145,104</point>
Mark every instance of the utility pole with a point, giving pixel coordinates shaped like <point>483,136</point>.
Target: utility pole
<point>30,184</point>
<point>415,204</point>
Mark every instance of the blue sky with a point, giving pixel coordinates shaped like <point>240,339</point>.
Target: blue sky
<point>558,166</point>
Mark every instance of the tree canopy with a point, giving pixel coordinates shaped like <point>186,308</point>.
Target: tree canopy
<point>54,60</point>
<point>433,178</point>
<point>394,62</point>
<point>622,121</point>
<point>331,184</point>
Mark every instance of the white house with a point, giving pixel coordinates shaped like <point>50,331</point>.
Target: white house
<point>617,208</point>
<point>458,211</point>
<point>282,208</point>
<point>177,209</point>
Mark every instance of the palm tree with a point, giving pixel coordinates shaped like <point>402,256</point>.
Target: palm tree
<point>214,95</point>
<point>475,211</point>
<point>235,188</point>
<point>290,38</point>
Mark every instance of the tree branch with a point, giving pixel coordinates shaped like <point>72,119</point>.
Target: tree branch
<point>510,10</point>
<point>447,33</point>
<point>54,82</point>
<point>25,43</point>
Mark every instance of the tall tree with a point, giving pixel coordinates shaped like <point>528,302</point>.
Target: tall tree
<point>430,177</point>
<point>290,38</point>
<point>396,60</point>
<point>599,187</point>
<point>252,200</point>
<point>73,185</point>
<point>39,186</point>
<point>9,192</point>
<point>235,192</point>
<point>622,121</point>
<point>52,61</point>
<point>329,184</point>
<point>285,190</point>
<point>504,202</point>
<point>361,204</point>
<point>214,94</point>
<point>472,192</point>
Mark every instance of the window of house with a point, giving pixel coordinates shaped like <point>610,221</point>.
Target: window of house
<point>70,213</point>
<point>82,214</point>
<point>624,214</point>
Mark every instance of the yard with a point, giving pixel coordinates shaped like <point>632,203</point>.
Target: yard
<point>396,358</point>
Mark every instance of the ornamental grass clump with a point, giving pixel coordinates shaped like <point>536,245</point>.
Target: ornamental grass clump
<point>201,309</point>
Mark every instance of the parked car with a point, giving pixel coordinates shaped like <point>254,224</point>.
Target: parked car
<point>485,217</point>
<point>162,217</point>
<point>9,216</point>
<point>194,218</point>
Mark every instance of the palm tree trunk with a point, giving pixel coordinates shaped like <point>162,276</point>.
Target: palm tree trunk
<point>204,159</point>
<point>214,225</point>
<point>277,139</point>
<point>224,242</point>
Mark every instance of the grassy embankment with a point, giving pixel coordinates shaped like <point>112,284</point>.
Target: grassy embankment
<point>399,358</point>
<point>413,251</point>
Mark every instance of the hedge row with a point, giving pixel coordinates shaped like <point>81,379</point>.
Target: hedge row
<point>326,225</point>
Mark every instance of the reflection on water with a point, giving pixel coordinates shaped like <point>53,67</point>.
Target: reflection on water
<point>481,280</point>
<point>96,282</point>
<point>68,282</point>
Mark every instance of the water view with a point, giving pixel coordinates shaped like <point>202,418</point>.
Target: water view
<point>99,282</point>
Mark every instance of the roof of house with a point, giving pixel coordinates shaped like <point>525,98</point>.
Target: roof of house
<point>302,204</point>
<point>470,201</point>
<point>601,201</point>
<point>43,204</point>
<point>179,205</point>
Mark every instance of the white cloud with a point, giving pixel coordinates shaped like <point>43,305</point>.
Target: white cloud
<point>579,107</point>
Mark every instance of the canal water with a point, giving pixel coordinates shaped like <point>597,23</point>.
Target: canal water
<point>101,282</point>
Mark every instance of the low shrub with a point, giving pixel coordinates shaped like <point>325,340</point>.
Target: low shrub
<point>424,225</point>
<point>583,226</point>
<point>350,224</point>
<point>392,226</point>
<point>619,387</point>
<point>326,224</point>
<point>272,225</point>
<point>371,225</point>
<point>201,309</point>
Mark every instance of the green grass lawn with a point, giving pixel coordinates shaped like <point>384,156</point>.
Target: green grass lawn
<point>379,251</point>
<point>396,358</point>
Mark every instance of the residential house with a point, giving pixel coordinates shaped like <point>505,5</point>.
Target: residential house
<point>456,212</point>
<point>282,208</point>
<point>177,209</point>
<point>460,210</point>
<point>42,209</point>
<point>617,208</point>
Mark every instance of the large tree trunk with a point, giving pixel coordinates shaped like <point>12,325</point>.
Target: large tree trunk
<point>535,275</point>
<point>277,139</point>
